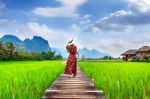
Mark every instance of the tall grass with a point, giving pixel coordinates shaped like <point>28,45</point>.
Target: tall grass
<point>120,80</point>
<point>27,80</point>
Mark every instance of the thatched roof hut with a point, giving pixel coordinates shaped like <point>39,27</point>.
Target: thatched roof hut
<point>144,49</point>
<point>130,52</point>
<point>140,54</point>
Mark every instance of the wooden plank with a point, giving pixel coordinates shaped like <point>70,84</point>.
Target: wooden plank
<point>74,92</point>
<point>59,87</point>
<point>79,87</point>
<point>65,82</point>
<point>71,97</point>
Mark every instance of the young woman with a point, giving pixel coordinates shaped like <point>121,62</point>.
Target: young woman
<point>71,65</point>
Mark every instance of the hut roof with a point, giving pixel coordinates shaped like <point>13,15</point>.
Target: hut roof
<point>144,48</point>
<point>130,52</point>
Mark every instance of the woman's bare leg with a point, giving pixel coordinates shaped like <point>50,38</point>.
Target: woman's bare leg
<point>71,76</point>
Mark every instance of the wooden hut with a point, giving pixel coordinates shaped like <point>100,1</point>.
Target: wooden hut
<point>129,54</point>
<point>143,52</point>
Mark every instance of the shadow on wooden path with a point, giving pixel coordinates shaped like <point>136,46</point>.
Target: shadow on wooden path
<point>79,87</point>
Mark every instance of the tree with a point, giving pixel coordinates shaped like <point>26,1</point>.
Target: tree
<point>107,57</point>
<point>50,55</point>
<point>1,45</point>
<point>10,49</point>
<point>58,57</point>
<point>148,57</point>
<point>1,50</point>
<point>35,56</point>
<point>10,52</point>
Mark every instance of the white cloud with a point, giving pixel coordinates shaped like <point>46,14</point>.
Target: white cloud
<point>129,23</point>
<point>3,21</point>
<point>37,29</point>
<point>138,13</point>
<point>85,22</point>
<point>56,38</point>
<point>120,13</point>
<point>6,22</point>
<point>115,22</point>
<point>87,16</point>
<point>140,6</point>
<point>75,28</point>
<point>68,8</point>
<point>117,46</point>
<point>54,12</point>
<point>113,45</point>
<point>95,30</point>
<point>73,4</point>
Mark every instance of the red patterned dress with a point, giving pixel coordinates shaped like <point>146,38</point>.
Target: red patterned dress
<point>71,65</point>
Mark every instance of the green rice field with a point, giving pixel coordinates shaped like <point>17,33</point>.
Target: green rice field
<point>120,80</point>
<point>27,80</point>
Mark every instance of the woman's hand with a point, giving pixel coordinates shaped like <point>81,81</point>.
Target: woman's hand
<point>70,41</point>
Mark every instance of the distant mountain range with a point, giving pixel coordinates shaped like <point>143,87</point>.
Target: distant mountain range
<point>87,53</point>
<point>91,53</point>
<point>39,44</point>
<point>36,44</point>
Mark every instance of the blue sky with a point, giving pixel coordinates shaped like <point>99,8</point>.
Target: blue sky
<point>109,26</point>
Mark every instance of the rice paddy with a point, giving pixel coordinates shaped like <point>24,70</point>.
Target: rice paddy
<point>120,80</point>
<point>27,80</point>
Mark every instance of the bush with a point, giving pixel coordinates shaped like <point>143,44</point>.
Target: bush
<point>148,58</point>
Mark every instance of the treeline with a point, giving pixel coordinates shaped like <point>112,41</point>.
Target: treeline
<point>103,58</point>
<point>9,52</point>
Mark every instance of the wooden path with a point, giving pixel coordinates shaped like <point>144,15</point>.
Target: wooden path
<point>79,87</point>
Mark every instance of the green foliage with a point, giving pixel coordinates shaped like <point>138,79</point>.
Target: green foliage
<point>6,50</point>
<point>9,52</point>
<point>27,79</point>
<point>58,56</point>
<point>1,50</point>
<point>48,55</point>
<point>120,80</point>
<point>9,49</point>
<point>148,58</point>
<point>135,59</point>
<point>107,57</point>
